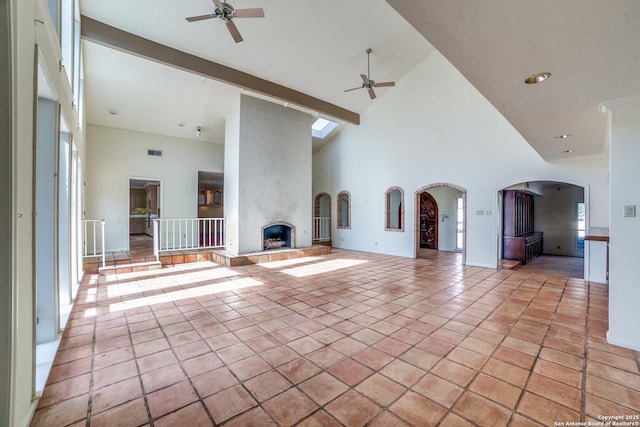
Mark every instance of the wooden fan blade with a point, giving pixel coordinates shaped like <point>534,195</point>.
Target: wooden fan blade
<point>365,79</point>
<point>355,88</point>
<point>249,13</point>
<point>372,94</point>
<point>217,3</point>
<point>201,17</point>
<point>385,84</point>
<point>234,31</point>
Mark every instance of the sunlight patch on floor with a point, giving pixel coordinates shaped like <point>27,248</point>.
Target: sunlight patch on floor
<point>322,267</point>
<point>194,292</point>
<point>168,281</point>
<point>288,262</point>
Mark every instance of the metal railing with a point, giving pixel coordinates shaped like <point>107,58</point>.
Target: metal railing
<point>321,229</point>
<point>186,234</point>
<point>93,239</point>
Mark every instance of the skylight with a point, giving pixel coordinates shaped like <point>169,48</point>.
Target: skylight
<point>322,127</point>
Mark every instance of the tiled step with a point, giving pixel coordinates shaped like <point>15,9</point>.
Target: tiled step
<point>510,264</point>
<point>230,260</point>
<point>131,267</point>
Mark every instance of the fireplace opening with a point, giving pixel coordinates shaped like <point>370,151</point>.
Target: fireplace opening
<point>277,236</point>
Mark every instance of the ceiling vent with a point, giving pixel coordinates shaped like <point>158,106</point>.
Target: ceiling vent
<point>154,153</point>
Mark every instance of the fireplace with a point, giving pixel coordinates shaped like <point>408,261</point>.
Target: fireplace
<point>277,236</point>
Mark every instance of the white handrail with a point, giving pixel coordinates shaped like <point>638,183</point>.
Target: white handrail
<point>175,234</point>
<point>321,229</point>
<point>90,247</point>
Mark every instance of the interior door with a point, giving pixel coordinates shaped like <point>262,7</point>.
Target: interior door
<point>428,221</point>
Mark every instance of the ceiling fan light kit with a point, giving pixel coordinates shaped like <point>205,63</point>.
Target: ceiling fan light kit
<point>227,13</point>
<point>367,83</point>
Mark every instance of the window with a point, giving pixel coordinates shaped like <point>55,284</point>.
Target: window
<point>459,222</point>
<point>580,219</point>
<point>344,210</point>
<point>394,209</point>
<point>322,127</point>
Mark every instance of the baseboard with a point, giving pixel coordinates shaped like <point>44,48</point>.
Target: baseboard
<point>477,264</point>
<point>623,342</point>
<point>597,279</point>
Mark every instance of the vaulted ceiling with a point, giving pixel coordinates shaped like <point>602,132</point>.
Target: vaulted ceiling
<point>317,48</point>
<point>590,47</point>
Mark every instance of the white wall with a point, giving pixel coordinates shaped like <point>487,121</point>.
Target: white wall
<point>624,291</point>
<point>273,166</point>
<point>231,191</point>
<point>115,155</point>
<point>435,127</point>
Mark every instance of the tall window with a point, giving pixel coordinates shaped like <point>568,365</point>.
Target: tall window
<point>394,209</point>
<point>459,222</point>
<point>344,210</point>
<point>580,220</point>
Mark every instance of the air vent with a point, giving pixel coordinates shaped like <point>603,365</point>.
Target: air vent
<point>154,153</point>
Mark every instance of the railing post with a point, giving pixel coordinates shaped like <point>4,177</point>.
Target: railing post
<point>156,240</point>
<point>103,244</point>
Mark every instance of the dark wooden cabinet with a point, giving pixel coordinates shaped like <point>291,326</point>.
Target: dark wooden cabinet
<point>520,241</point>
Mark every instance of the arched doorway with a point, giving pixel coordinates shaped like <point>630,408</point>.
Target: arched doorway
<point>542,227</point>
<point>440,219</point>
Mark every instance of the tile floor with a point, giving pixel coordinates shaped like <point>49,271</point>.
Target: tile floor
<point>556,265</point>
<point>348,339</point>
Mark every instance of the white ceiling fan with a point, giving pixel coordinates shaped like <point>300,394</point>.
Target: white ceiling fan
<point>227,13</point>
<point>367,82</point>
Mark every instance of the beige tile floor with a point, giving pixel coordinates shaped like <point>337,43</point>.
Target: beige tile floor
<point>348,339</point>
<point>556,265</point>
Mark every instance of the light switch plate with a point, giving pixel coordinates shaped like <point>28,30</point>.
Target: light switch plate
<point>629,211</point>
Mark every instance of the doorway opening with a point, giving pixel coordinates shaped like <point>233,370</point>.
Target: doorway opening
<point>543,227</point>
<point>144,206</point>
<point>210,194</point>
<point>322,219</point>
<point>440,221</point>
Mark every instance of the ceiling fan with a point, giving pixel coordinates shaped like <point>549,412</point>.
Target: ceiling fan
<point>367,82</point>
<point>227,13</point>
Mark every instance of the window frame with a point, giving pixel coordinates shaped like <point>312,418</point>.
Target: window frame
<point>387,209</point>
<point>339,210</point>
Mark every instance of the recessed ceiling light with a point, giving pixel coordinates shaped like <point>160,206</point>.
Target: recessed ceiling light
<point>563,136</point>
<point>113,112</point>
<point>181,124</point>
<point>537,78</point>
<point>568,151</point>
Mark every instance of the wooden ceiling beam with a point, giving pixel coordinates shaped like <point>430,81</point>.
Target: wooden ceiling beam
<point>106,35</point>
